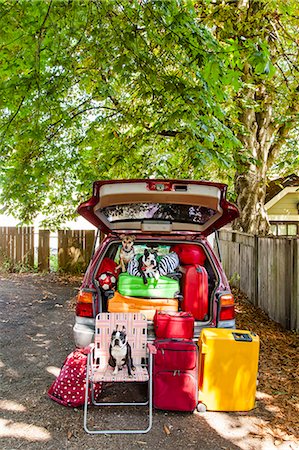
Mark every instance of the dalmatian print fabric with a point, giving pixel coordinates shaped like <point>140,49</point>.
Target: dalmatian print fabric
<point>69,387</point>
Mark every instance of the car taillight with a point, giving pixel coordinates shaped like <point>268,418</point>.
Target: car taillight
<point>227,307</point>
<point>84,307</point>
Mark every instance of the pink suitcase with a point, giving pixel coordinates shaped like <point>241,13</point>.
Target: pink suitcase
<point>179,325</point>
<point>195,291</point>
<point>175,375</point>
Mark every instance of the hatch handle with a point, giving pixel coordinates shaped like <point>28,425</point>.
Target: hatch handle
<point>181,188</point>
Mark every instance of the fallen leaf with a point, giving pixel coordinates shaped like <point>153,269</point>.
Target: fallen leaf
<point>166,430</point>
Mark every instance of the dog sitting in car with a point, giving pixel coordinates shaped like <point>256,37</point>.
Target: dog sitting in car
<point>148,265</point>
<point>127,251</point>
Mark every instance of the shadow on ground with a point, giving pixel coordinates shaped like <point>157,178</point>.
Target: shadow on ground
<point>36,336</point>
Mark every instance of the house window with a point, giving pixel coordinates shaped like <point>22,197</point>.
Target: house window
<point>292,229</point>
<point>284,229</point>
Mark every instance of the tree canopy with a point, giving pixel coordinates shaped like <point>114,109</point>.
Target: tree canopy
<point>124,89</point>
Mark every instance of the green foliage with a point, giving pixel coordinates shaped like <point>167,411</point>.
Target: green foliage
<point>7,265</point>
<point>106,89</point>
<point>124,89</point>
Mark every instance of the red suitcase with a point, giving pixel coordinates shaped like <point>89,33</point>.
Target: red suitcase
<point>179,325</point>
<point>195,291</point>
<point>175,375</point>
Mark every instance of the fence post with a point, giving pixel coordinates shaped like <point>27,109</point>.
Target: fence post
<point>294,317</point>
<point>256,269</point>
<point>44,250</point>
<point>62,250</point>
<point>89,240</point>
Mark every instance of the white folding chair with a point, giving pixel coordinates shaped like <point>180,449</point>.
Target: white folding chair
<point>98,369</point>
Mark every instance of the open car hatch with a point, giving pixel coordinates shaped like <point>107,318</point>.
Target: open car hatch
<point>158,206</point>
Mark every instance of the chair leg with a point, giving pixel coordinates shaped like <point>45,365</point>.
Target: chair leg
<point>128,431</point>
<point>86,394</point>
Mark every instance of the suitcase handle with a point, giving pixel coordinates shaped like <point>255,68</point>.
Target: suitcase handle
<point>242,337</point>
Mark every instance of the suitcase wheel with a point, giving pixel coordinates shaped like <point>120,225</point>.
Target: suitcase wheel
<point>201,407</point>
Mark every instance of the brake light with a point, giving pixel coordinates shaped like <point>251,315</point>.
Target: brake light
<point>84,307</point>
<point>227,307</point>
<point>159,186</point>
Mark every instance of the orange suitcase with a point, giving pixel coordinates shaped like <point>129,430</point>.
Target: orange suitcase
<point>147,306</point>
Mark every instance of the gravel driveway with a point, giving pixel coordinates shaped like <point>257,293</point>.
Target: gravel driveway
<point>36,336</point>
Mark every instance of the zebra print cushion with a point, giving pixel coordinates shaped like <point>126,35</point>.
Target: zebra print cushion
<point>133,267</point>
<point>167,264</point>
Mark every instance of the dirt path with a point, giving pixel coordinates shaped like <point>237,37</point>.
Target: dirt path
<point>36,335</point>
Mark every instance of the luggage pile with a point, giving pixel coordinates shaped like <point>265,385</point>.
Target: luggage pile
<point>175,378</point>
<point>133,295</point>
<point>215,371</point>
<point>186,290</point>
<point>218,373</point>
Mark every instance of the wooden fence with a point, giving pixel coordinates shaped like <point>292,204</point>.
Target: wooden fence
<point>267,270</point>
<point>17,248</point>
<point>74,249</point>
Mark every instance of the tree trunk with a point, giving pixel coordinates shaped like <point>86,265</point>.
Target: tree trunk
<point>251,176</point>
<point>251,190</point>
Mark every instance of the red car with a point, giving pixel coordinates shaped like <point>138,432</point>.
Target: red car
<point>167,222</point>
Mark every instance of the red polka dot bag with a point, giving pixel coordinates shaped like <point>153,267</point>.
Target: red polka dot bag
<point>69,387</point>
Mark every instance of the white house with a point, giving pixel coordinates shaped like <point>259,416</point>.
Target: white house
<point>282,205</point>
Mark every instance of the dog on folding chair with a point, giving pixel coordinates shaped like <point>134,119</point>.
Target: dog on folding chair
<point>120,352</point>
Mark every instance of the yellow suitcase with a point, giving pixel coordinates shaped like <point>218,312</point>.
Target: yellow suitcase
<point>148,306</point>
<point>228,365</point>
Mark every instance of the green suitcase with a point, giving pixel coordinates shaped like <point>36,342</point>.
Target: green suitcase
<point>133,286</point>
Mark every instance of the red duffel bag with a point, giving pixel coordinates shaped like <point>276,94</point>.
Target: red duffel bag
<point>175,325</point>
<point>69,387</point>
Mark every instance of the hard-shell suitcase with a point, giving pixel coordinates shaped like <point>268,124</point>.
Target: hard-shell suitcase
<point>189,254</point>
<point>134,286</point>
<point>179,325</point>
<point>228,365</point>
<point>148,306</point>
<point>195,291</point>
<point>175,375</point>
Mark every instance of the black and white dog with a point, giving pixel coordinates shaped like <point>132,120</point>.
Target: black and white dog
<point>148,265</point>
<point>120,352</point>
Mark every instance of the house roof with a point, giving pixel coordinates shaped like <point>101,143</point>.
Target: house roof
<point>275,186</point>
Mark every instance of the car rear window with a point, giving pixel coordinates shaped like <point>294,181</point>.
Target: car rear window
<point>158,212</point>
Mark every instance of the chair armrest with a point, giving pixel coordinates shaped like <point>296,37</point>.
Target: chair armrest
<point>151,348</point>
<point>89,349</point>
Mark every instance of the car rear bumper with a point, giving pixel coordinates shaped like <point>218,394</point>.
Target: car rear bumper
<point>83,331</point>
<point>227,324</point>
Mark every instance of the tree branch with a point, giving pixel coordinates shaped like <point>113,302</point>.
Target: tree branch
<point>169,133</point>
<point>13,117</point>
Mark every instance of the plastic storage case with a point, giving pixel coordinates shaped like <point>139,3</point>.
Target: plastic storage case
<point>134,286</point>
<point>228,365</point>
<point>148,306</point>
